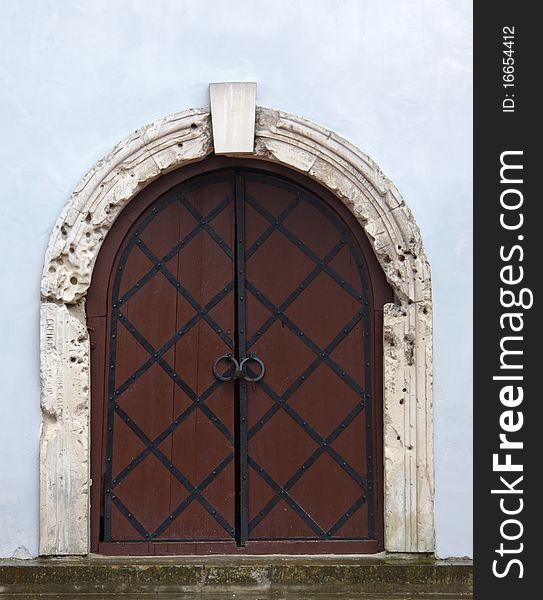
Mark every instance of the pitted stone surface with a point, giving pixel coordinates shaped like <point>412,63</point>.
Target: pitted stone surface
<point>98,200</point>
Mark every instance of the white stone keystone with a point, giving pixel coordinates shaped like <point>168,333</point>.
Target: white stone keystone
<point>233,107</point>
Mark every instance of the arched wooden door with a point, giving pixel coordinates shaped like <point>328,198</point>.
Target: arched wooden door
<point>235,318</point>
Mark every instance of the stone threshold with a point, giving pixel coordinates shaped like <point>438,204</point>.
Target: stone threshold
<point>380,577</point>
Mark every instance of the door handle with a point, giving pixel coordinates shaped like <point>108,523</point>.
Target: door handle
<point>238,369</point>
<point>246,361</point>
<point>228,358</point>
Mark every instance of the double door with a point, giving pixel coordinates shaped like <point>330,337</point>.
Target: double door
<point>240,409</point>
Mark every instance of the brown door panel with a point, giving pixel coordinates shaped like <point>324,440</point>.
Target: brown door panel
<point>236,261</point>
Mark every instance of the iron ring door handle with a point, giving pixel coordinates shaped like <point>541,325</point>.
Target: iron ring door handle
<point>223,376</point>
<point>245,375</point>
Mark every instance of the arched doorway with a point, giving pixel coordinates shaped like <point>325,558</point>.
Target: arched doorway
<point>236,320</point>
<point>109,189</point>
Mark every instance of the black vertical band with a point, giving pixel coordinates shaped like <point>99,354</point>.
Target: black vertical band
<point>507,322</point>
<point>241,345</point>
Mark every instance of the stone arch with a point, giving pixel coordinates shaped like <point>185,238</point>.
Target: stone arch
<point>90,212</point>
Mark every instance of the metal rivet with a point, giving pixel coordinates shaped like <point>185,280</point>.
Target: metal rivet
<point>241,331</point>
<point>108,491</point>
<point>301,333</point>
<point>344,464</point>
<point>113,336</point>
<point>302,377</point>
<point>171,517</point>
<point>343,373</point>
<point>323,355</point>
<point>368,364</point>
<point>176,422</point>
<point>130,515</point>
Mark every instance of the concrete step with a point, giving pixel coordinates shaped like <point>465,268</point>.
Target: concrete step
<point>383,577</point>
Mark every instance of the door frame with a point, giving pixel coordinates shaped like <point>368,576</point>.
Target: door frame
<point>97,320</point>
<point>356,181</point>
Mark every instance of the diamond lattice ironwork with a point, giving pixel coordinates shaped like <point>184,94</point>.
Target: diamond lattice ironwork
<point>240,344</point>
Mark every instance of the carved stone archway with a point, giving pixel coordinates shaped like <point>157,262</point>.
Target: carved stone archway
<point>89,214</point>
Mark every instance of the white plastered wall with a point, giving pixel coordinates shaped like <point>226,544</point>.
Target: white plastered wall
<point>393,77</point>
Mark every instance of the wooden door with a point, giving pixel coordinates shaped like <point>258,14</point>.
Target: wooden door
<point>237,372</point>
